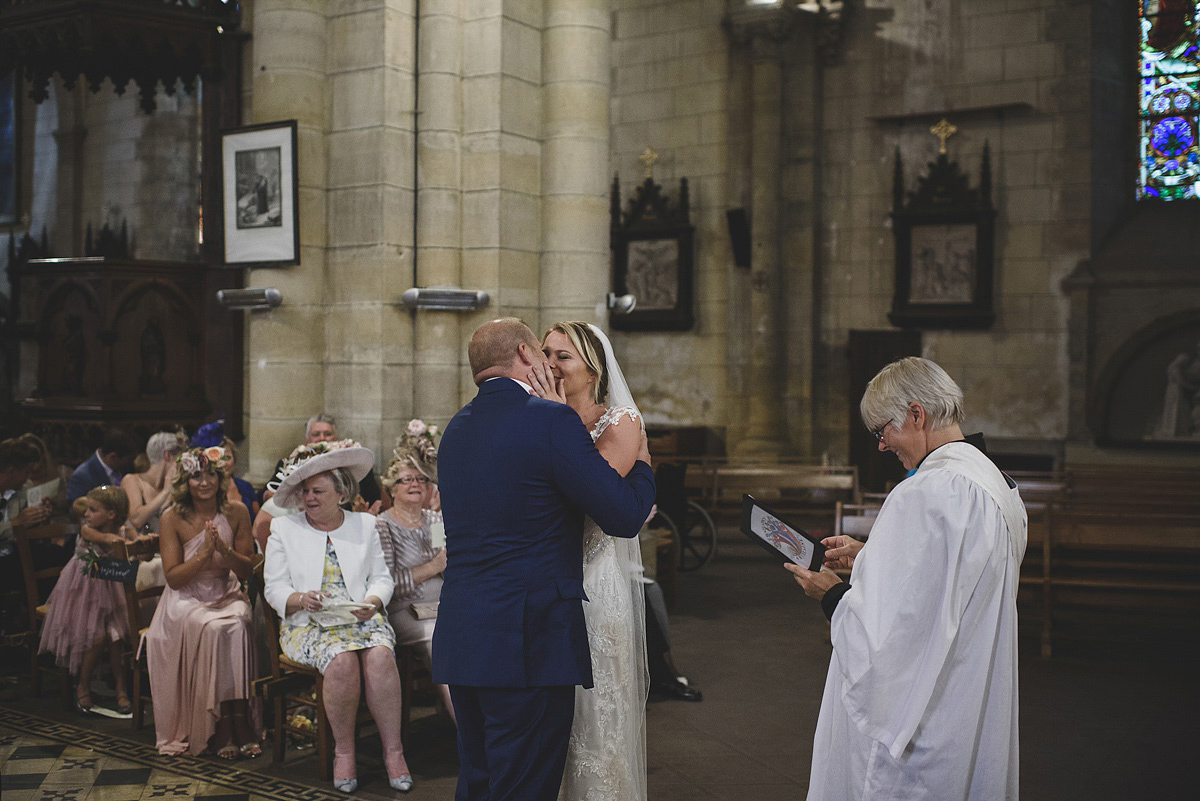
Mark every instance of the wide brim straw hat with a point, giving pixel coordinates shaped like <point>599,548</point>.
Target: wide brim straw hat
<point>357,460</point>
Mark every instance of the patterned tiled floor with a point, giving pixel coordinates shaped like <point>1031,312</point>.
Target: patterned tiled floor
<point>36,769</point>
<point>45,760</point>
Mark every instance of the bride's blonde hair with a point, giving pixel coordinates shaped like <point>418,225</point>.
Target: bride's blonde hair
<point>590,350</point>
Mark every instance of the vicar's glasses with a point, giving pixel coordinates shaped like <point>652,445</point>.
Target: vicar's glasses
<point>878,432</point>
<point>412,480</point>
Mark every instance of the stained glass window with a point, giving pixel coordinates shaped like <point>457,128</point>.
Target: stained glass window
<point>1169,99</point>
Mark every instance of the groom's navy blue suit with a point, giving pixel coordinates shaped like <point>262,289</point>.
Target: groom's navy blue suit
<point>517,475</point>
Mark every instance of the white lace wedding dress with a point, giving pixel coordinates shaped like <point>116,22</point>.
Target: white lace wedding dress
<point>606,759</point>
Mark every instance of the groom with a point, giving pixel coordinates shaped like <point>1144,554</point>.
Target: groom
<point>518,473</point>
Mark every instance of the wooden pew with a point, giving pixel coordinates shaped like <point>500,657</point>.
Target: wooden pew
<point>786,483</point>
<point>1118,539</point>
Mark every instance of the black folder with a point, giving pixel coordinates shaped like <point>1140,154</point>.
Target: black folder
<point>787,542</point>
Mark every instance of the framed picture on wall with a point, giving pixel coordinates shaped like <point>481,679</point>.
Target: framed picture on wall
<point>652,260</point>
<point>944,250</point>
<point>10,149</point>
<point>260,196</point>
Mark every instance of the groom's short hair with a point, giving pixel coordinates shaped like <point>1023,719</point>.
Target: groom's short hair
<point>495,344</point>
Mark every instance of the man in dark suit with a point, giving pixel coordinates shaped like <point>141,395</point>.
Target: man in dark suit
<point>518,473</point>
<point>106,466</point>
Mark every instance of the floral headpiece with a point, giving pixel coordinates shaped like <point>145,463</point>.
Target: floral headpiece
<point>305,452</point>
<point>195,461</point>
<point>416,447</point>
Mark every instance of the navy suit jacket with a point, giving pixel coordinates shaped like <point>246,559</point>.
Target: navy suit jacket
<point>87,477</point>
<point>517,475</point>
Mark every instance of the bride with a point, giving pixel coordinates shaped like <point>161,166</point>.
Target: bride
<point>606,759</point>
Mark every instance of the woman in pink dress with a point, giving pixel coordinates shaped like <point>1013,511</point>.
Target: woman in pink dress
<point>201,650</point>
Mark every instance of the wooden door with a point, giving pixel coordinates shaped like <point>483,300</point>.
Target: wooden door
<point>869,352</point>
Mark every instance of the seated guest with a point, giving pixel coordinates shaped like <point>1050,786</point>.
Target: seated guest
<point>212,435</point>
<point>87,615</point>
<point>405,532</point>
<point>271,509</point>
<point>106,466</point>
<point>18,460</point>
<point>149,491</point>
<point>329,558</point>
<point>322,427</point>
<point>665,679</point>
<point>201,649</point>
<point>46,471</point>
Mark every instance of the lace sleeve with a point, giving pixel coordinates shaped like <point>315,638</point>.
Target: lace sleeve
<point>613,417</point>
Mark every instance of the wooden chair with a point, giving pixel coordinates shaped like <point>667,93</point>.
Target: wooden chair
<point>291,685</point>
<point>135,655</point>
<point>854,519</point>
<point>35,602</point>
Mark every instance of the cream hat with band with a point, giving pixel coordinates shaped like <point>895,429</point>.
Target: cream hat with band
<point>357,459</point>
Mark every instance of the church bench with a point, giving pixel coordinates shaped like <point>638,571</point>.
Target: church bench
<point>1111,555</point>
<point>777,483</point>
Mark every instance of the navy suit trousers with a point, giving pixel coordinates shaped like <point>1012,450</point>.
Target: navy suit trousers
<point>512,742</point>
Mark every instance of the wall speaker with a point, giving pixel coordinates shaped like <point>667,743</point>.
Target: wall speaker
<point>739,236</point>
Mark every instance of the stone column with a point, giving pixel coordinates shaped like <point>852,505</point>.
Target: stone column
<point>501,161</point>
<point>575,261</point>
<point>439,349</point>
<point>369,372</point>
<point>765,432</point>
<point>285,381</point>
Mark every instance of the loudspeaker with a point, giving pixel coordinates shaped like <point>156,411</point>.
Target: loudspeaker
<point>739,236</point>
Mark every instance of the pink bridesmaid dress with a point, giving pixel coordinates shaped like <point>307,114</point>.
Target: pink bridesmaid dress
<point>200,653</point>
<point>82,610</point>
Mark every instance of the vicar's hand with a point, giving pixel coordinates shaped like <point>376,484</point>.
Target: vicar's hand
<point>545,385</point>
<point>814,583</point>
<point>840,551</point>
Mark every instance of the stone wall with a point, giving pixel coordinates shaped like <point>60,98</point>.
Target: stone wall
<point>1023,67</point>
<point>670,91</point>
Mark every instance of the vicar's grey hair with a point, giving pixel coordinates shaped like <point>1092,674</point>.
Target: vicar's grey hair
<point>320,417</point>
<point>912,379</point>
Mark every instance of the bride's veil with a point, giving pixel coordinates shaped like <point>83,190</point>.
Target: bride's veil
<point>629,555</point>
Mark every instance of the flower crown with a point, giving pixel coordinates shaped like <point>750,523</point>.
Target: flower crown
<point>416,447</point>
<point>196,460</point>
<point>303,453</point>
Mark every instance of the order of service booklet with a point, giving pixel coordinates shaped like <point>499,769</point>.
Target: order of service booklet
<point>337,612</point>
<point>786,541</point>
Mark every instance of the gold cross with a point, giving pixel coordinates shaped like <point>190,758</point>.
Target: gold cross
<point>648,158</point>
<point>943,131</point>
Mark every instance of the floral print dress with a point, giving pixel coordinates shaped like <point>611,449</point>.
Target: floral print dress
<point>312,645</point>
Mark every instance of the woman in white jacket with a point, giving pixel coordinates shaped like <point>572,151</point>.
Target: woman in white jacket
<point>327,578</point>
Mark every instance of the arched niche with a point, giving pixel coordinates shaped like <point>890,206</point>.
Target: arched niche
<point>1148,395</point>
<point>156,353</point>
<point>74,357</point>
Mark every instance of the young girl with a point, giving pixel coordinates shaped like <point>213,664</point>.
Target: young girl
<point>86,614</point>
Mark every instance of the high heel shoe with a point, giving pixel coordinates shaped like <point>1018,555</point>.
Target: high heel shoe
<point>401,783</point>
<point>345,785</point>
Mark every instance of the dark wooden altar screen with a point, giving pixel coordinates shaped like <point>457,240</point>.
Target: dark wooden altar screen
<point>869,352</point>
<point>134,343</point>
<point>137,344</point>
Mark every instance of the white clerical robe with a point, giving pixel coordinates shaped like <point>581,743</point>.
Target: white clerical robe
<point>921,697</point>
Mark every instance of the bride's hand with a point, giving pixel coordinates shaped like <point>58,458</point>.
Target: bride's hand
<point>545,385</point>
